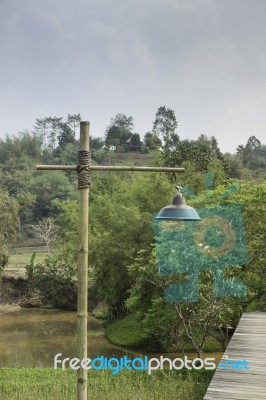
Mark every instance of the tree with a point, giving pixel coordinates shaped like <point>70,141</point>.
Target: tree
<point>45,229</point>
<point>48,187</point>
<point>9,225</point>
<point>73,121</point>
<point>55,131</point>
<point>174,326</point>
<point>56,280</point>
<point>253,143</point>
<point>117,233</point>
<point>123,122</point>
<point>96,143</point>
<point>113,137</point>
<point>165,124</point>
<point>48,129</point>
<point>250,195</point>
<point>119,131</point>
<point>152,141</point>
<point>40,130</point>
<point>253,154</point>
<point>188,325</point>
<point>202,153</point>
<point>22,146</point>
<point>235,165</point>
<point>66,136</point>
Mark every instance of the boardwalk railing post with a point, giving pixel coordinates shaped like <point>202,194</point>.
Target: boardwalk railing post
<point>82,306</point>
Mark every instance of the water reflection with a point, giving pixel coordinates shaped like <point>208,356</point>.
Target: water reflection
<point>32,337</point>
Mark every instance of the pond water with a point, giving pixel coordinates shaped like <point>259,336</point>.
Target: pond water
<point>32,337</point>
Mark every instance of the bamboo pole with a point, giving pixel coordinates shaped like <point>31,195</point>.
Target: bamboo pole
<point>82,306</point>
<point>82,309</point>
<point>110,168</point>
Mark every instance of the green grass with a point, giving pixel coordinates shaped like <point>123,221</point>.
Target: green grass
<point>21,260</point>
<point>46,384</point>
<point>126,332</point>
<point>20,256</point>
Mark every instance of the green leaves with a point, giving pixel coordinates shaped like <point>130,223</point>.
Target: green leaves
<point>165,125</point>
<point>9,224</point>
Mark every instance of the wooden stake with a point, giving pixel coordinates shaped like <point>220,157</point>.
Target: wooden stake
<point>82,309</point>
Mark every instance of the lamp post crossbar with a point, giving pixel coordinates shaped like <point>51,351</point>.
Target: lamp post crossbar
<point>109,168</point>
<point>82,300</point>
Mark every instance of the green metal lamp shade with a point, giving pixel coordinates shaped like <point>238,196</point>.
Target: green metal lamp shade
<point>178,210</point>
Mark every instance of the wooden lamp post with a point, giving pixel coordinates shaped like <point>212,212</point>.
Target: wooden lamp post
<point>84,168</point>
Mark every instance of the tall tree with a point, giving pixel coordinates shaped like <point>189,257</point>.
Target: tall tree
<point>48,129</point>
<point>165,124</point>
<point>253,154</point>
<point>119,131</point>
<point>65,136</point>
<point>73,120</point>
<point>122,121</point>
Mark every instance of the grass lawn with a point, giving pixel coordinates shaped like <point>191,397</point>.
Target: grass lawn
<point>128,332</point>
<point>47,384</point>
<point>20,256</point>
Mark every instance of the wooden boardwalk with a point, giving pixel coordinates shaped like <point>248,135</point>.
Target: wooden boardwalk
<point>248,343</point>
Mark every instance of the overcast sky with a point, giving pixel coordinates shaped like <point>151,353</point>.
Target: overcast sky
<point>205,59</point>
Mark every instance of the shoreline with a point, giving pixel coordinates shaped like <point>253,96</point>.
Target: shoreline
<point>9,308</point>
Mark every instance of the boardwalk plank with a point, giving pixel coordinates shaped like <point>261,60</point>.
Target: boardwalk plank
<point>248,343</point>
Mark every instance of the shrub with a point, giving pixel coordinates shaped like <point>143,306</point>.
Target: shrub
<point>56,279</point>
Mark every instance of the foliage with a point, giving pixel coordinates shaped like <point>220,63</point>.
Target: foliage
<point>56,280</point>
<point>49,186</point>
<point>121,207</point>
<point>119,131</point>
<point>121,224</point>
<point>152,141</point>
<point>122,121</point>
<point>203,153</point>
<point>96,143</point>
<point>54,132</point>
<point>253,154</point>
<point>251,196</point>
<point>165,125</point>
<point>30,271</point>
<point>9,224</point>
<point>178,324</point>
<point>170,325</point>
<point>66,136</point>
<point>68,221</point>
<point>20,146</point>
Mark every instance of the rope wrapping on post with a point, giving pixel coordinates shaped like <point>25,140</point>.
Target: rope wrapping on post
<point>83,169</point>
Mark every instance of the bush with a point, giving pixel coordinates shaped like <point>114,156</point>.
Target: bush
<point>56,279</point>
